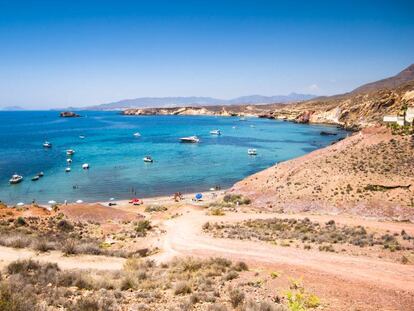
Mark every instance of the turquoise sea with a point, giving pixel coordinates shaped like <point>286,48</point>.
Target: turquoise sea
<point>115,154</point>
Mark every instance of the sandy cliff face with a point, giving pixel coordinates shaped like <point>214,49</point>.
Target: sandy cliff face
<point>233,110</point>
<point>353,110</point>
<point>370,173</point>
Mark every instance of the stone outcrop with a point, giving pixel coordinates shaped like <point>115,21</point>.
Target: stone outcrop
<point>69,114</point>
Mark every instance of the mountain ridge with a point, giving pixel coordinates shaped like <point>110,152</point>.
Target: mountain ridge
<point>169,102</point>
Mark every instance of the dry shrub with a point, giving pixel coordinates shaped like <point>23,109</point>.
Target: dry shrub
<point>182,288</point>
<point>236,297</point>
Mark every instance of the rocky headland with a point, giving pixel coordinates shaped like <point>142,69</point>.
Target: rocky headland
<point>69,114</point>
<point>363,107</point>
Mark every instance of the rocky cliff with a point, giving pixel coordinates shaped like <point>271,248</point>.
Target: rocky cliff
<point>363,107</point>
<point>353,110</point>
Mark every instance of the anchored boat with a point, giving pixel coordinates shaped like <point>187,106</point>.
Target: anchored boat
<point>190,139</point>
<point>70,152</point>
<point>148,159</point>
<point>252,152</point>
<point>15,179</point>
<point>47,144</point>
<point>215,132</point>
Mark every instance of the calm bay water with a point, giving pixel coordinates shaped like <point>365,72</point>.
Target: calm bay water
<point>115,155</point>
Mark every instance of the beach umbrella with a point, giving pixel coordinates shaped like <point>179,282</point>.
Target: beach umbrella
<point>198,196</point>
<point>20,204</point>
<point>79,201</point>
<point>52,202</point>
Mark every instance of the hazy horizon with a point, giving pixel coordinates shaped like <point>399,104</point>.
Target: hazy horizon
<point>56,55</point>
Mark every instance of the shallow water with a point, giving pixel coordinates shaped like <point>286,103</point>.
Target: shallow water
<point>115,155</point>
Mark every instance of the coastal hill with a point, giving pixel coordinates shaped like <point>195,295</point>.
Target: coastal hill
<point>165,102</point>
<point>362,107</point>
<point>401,78</point>
<point>369,174</point>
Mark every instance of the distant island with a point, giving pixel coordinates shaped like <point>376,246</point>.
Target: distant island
<point>12,108</point>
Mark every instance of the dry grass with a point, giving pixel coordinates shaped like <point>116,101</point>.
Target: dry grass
<point>58,233</point>
<point>183,284</point>
<point>324,236</point>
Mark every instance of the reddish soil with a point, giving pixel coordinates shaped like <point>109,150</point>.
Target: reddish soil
<point>97,213</point>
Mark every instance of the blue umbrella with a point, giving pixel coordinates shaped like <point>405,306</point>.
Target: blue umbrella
<point>198,196</point>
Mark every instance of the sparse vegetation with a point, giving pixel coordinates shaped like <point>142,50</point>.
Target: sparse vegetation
<point>183,283</point>
<point>142,227</point>
<point>284,231</point>
<point>58,233</point>
<point>155,208</point>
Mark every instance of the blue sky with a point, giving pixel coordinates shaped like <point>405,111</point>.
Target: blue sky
<point>61,53</point>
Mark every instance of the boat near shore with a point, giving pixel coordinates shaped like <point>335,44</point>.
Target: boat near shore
<point>215,132</point>
<point>15,179</point>
<point>70,152</point>
<point>190,139</point>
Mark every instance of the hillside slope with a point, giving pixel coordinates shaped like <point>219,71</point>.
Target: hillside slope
<point>370,173</point>
<point>401,78</point>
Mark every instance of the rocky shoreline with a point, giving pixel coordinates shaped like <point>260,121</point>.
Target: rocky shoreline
<point>352,111</point>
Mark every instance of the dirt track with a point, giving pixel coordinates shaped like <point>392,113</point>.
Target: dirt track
<point>347,281</point>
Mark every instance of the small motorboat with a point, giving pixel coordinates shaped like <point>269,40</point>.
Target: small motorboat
<point>252,152</point>
<point>81,137</point>
<point>215,132</point>
<point>85,166</point>
<point>47,144</point>
<point>15,179</point>
<point>69,160</point>
<point>41,174</point>
<point>190,139</point>
<point>137,134</point>
<point>148,159</point>
<point>67,170</point>
<point>70,152</point>
<point>34,178</point>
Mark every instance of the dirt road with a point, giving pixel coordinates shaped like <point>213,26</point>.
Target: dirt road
<point>346,281</point>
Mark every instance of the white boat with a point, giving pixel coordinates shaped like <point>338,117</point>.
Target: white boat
<point>81,137</point>
<point>47,144</point>
<point>242,119</point>
<point>67,170</point>
<point>69,160</point>
<point>215,132</point>
<point>137,134</point>
<point>34,178</point>
<point>15,179</point>
<point>252,152</point>
<point>41,174</point>
<point>70,152</point>
<point>190,139</point>
<point>85,166</point>
<point>148,159</point>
